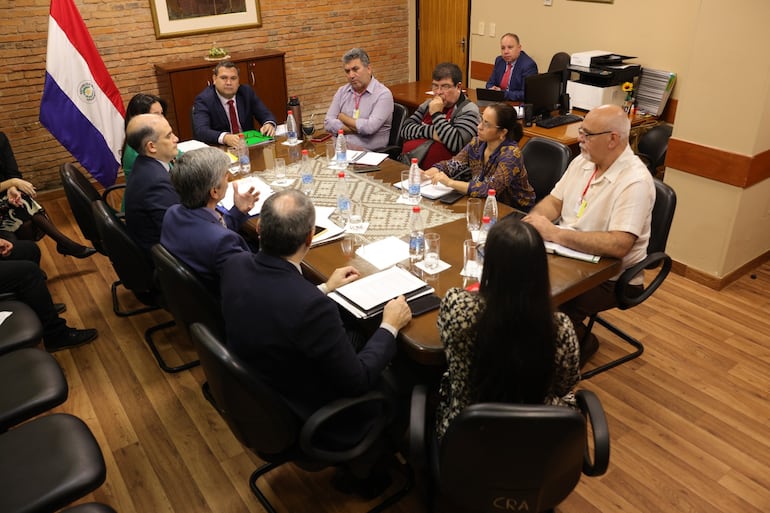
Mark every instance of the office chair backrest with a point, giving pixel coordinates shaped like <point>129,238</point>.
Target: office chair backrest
<point>559,61</point>
<point>128,259</point>
<point>257,416</point>
<point>80,194</point>
<point>653,145</point>
<point>545,161</point>
<point>662,217</point>
<point>399,116</point>
<point>185,295</point>
<point>503,457</point>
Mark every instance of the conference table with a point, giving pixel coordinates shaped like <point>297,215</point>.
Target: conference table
<point>420,339</point>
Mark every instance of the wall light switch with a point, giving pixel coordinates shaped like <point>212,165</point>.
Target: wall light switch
<point>481,28</point>
<point>548,2</point>
<point>492,30</point>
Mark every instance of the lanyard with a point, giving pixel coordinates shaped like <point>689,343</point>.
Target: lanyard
<point>583,203</point>
<point>357,101</point>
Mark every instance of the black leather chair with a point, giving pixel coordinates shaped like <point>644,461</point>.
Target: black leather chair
<point>653,146</point>
<point>31,383</point>
<point>89,507</point>
<point>136,273</point>
<point>545,161</point>
<point>245,403</point>
<point>559,61</point>
<point>662,216</point>
<point>509,457</point>
<point>393,149</point>
<point>47,463</point>
<point>21,329</point>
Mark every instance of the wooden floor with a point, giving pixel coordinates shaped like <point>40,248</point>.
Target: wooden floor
<point>689,420</point>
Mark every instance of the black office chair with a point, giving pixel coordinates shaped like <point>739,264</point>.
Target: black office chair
<point>545,161</point>
<point>89,507</point>
<point>653,146</point>
<point>559,62</point>
<point>21,329</point>
<point>395,141</point>
<point>245,402</point>
<point>509,457</point>
<point>31,382</point>
<point>662,216</point>
<point>47,463</point>
<point>136,274</point>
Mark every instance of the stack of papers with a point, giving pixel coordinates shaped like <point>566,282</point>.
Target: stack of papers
<point>428,190</point>
<point>366,158</point>
<point>192,144</point>
<point>558,249</point>
<point>367,297</point>
<point>385,252</point>
<point>243,184</point>
<point>326,230</point>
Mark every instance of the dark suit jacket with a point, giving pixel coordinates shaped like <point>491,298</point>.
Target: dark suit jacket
<point>524,67</point>
<point>290,333</point>
<point>196,238</point>
<point>210,118</point>
<point>148,194</point>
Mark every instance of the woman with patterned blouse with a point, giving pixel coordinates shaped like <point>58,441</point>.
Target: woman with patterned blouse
<point>493,159</point>
<point>504,343</point>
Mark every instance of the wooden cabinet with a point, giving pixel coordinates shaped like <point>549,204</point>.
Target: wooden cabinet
<point>181,81</point>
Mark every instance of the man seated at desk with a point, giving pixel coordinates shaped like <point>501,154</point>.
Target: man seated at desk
<point>512,66</point>
<point>226,108</point>
<point>286,329</point>
<point>603,204</point>
<point>196,231</point>
<point>448,119</point>
<point>363,108</point>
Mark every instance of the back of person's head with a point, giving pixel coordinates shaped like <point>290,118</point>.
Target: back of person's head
<point>225,64</point>
<point>140,103</point>
<point>197,172</point>
<point>448,70</point>
<point>515,339</point>
<point>285,221</point>
<point>506,118</point>
<point>356,53</point>
<point>140,130</point>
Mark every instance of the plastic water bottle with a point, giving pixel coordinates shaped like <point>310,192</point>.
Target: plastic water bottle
<point>306,173</point>
<point>414,183</point>
<point>486,224</point>
<point>343,200</point>
<point>341,151</point>
<point>490,207</point>
<point>291,128</point>
<point>416,235</point>
<point>243,154</point>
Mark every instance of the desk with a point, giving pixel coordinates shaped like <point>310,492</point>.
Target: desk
<point>420,339</point>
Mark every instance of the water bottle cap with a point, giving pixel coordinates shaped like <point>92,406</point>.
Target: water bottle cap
<point>341,174</point>
<point>414,161</point>
<point>304,152</point>
<point>289,113</point>
<point>491,192</point>
<point>485,219</point>
<point>339,132</point>
<point>416,209</point>
<point>240,136</point>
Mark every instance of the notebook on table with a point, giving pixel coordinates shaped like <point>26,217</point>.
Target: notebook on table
<point>485,97</point>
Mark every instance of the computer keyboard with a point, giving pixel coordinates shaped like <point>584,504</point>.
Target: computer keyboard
<point>554,121</point>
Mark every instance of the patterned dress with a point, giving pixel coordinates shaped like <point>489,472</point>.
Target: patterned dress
<point>460,311</point>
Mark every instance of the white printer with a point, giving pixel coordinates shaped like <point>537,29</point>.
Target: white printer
<point>601,75</point>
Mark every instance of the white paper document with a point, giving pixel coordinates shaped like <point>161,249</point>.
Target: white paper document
<point>326,229</point>
<point>558,249</point>
<point>192,144</point>
<point>367,158</point>
<point>366,297</point>
<point>427,190</point>
<point>243,184</point>
<point>385,252</point>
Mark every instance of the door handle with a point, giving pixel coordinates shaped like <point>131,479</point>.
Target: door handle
<point>462,44</point>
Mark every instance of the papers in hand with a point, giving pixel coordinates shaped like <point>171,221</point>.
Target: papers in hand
<point>427,189</point>
<point>367,297</point>
<point>243,184</point>
<point>326,230</point>
<point>558,249</point>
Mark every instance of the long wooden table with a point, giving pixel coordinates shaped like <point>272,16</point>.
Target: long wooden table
<point>420,339</point>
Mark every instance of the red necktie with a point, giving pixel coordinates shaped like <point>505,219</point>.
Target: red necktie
<point>234,127</point>
<point>506,77</point>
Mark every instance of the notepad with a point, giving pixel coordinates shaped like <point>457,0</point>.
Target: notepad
<point>255,138</point>
<point>428,190</point>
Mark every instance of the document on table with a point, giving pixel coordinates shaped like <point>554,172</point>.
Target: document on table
<point>367,296</point>
<point>427,189</point>
<point>385,252</point>
<point>326,229</point>
<point>558,249</point>
<point>192,144</point>
<point>367,158</point>
<point>243,184</point>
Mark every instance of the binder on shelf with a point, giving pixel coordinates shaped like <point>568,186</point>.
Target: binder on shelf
<point>654,89</point>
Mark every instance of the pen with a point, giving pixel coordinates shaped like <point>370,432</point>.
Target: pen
<point>363,168</point>
<point>355,159</point>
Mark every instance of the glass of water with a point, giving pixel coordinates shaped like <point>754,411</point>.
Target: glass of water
<point>432,250</point>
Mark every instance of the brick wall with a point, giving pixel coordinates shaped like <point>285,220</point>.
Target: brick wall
<point>314,36</point>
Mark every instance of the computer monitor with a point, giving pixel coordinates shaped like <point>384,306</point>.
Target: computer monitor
<point>543,91</point>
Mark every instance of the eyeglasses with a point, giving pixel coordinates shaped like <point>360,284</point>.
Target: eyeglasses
<point>486,124</point>
<point>443,87</point>
<point>586,134</point>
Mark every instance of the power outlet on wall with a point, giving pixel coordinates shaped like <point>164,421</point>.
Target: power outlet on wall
<point>491,30</point>
<point>481,28</point>
<point>549,3</point>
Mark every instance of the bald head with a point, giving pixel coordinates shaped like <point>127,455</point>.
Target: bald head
<point>286,221</point>
<point>613,118</point>
<point>151,135</point>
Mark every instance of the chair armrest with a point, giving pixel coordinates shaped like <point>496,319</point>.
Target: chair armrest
<point>653,260</point>
<point>417,435</point>
<point>329,411</point>
<point>591,407</point>
<point>110,190</point>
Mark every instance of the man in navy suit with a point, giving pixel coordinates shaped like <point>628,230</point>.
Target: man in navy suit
<point>521,66</point>
<point>149,191</point>
<point>286,328</point>
<point>195,231</point>
<point>226,108</point>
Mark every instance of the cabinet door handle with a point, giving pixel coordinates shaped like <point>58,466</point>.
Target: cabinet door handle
<point>253,78</point>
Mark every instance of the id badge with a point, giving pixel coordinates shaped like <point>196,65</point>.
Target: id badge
<point>355,114</point>
<point>581,208</point>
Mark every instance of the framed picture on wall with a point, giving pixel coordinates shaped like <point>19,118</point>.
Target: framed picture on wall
<point>174,18</point>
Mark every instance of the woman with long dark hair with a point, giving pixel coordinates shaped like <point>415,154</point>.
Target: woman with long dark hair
<point>140,103</point>
<point>505,343</point>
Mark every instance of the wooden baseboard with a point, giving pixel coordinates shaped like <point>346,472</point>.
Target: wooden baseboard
<point>714,282</point>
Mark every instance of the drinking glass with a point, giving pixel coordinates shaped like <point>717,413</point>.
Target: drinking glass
<point>308,128</point>
<point>347,244</point>
<point>432,250</point>
<point>471,259</point>
<point>330,154</point>
<point>405,185</point>
<point>280,173</point>
<point>473,217</point>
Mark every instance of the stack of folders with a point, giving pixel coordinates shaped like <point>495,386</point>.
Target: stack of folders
<point>368,296</point>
